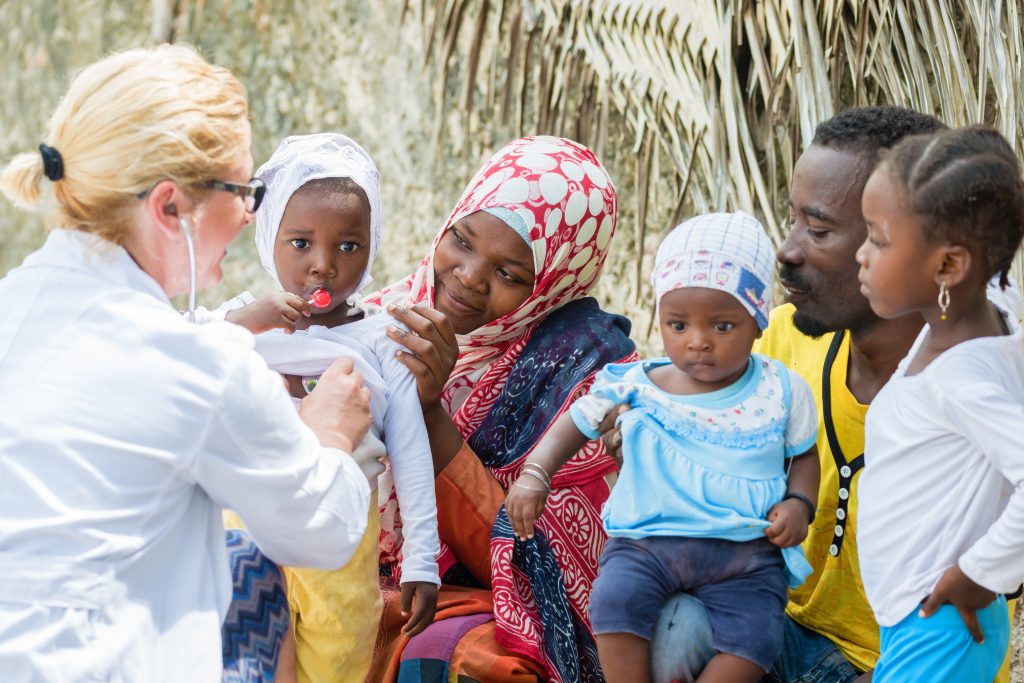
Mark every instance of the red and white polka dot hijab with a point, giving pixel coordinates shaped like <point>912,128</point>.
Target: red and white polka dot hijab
<point>567,203</point>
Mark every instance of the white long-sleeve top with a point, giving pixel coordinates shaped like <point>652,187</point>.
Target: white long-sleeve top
<point>943,482</point>
<point>124,432</point>
<point>397,415</point>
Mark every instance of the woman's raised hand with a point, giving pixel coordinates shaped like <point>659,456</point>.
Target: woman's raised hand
<point>338,411</point>
<point>431,348</point>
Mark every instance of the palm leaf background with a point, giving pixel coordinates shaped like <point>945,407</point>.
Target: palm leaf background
<point>694,105</point>
<point>716,99</point>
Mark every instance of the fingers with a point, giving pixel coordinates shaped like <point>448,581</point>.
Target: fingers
<point>414,319</point>
<point>424,605</point>
<point>780,533</point>
<point>529,518</point>
<point>341,366</point>
<point>417,344</point>
<point>612,441</point>
<point>407,592</point>
<point>512,510</point>
<point>298,304</point>
<point>425,322</point>
<point>523,510</point>
<point>418,368</point>
<point>608,423</point>
<point>930,604</point>
<point>523,525</point>
<point>970,618</point>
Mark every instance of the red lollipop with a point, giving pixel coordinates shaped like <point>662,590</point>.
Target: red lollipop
<point>321,298</point>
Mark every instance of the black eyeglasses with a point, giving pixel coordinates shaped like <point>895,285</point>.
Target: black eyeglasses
<point>251,192</point>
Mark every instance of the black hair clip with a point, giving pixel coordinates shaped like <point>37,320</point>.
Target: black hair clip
<point>53,164</point>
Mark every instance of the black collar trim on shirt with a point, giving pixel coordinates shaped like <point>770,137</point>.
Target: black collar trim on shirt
<point>847,470</point>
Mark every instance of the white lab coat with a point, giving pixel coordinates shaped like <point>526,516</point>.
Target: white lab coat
<point>123,432</point>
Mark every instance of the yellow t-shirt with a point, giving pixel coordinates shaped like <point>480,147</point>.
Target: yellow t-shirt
<point>831,601</point>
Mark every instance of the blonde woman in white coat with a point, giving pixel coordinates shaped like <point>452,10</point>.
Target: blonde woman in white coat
<point>125,429</point>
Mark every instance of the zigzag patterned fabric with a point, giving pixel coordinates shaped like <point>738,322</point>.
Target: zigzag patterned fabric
<point>257,619</point>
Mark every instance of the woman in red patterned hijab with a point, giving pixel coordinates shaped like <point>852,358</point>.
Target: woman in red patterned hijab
<point>518,341</point>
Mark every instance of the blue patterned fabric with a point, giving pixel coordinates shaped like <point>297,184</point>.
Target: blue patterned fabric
<point>551,366</point>
<point>257,619</point>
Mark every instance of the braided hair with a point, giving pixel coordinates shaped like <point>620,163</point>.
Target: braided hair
<point>966,185</point>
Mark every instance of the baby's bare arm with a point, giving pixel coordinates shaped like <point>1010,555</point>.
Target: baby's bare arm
<point>526,498</point>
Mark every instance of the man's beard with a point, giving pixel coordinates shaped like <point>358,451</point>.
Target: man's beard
<point>816,328</point>
<point>812,327</point>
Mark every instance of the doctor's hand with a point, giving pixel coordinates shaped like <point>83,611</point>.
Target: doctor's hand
<point>338,411</point>
<point>957,589</point>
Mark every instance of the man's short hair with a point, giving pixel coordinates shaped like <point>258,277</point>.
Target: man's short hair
<point>869,129</point>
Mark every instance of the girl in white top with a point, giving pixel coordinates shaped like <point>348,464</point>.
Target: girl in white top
<point>319,229</point>
<point>132,428</point>
<point>941,524</point>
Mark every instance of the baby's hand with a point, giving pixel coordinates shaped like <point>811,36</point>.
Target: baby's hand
<point>278,310</point>
<point>789,523</point>
<point>419,598</point>
<point>524,505</point>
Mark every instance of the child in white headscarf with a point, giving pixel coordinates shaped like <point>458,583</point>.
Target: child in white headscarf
<point>705,502</point>
<point>318,230</point>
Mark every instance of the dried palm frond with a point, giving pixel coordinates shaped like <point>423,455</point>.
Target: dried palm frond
<point>715,99</point>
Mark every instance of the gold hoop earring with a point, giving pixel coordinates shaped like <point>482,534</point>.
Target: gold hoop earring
<point>943,300</point>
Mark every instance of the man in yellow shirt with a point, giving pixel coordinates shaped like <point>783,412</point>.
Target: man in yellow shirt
<point>827,333</point>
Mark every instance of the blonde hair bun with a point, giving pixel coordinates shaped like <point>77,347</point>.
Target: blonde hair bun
<point>128,121</point>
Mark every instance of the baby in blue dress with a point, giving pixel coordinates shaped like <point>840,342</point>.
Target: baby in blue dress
<point>719,479</point>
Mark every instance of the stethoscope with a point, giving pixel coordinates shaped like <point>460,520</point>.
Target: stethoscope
<point>183,222</point>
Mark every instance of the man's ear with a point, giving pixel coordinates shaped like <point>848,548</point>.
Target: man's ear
<point>954,266</point>
<point>165,205</point>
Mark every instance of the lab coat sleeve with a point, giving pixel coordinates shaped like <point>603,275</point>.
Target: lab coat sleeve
<point>305,505</point>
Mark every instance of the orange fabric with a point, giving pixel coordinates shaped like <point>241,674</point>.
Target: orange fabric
<point>479,656</point>
<point>468,500</point>
<point>452,601</point>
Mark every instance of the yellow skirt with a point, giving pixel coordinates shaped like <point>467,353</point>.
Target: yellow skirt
<point>335,613</point>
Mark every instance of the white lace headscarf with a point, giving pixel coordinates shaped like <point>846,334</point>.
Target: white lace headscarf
<point>300,159</point>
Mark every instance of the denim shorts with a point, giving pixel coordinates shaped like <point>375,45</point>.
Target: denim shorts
<point>742,585</point>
